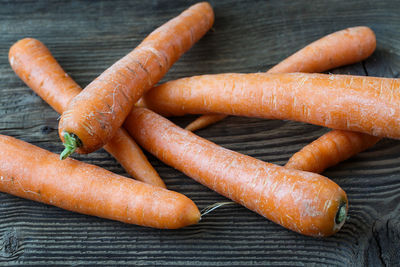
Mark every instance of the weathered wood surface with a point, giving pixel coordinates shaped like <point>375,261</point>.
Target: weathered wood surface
<point>248,36</point>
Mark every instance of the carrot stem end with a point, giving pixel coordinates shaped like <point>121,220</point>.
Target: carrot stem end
<point>341,214</point>
<point>71,143</point>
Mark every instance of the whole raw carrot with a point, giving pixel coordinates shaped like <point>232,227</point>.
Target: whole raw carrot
<point>95,115</point>
<point>31,172</point>
<point>304,202</point>
<point>35,65</point>
<point>363,104</point>
<point>330,149</point>
<point>337,49</point>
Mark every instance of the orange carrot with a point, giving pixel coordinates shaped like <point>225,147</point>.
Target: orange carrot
<point>304,202</point>
<point>362,104</point>
<point>330,149</point>
<point>334,50</point>
<point>35,65</point>
<point>96,113</point>
<point>31,172</point>
<point>204,121</point>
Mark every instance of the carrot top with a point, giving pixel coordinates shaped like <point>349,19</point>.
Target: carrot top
<point>71,143</point>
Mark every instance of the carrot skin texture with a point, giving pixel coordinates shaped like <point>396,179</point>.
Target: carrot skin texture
<point>330,149</point>
<point>362,104</point>
<point>35,65</point>
<point>33,173</point>
<point>301,201</point>
<point>337,49</point>
<point>100,109</point>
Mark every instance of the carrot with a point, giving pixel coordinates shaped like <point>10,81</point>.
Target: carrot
<point>304,202</point>
<point>337,49</point>
<point>362,104</point>
<point>96,113</point>
<point>33,173</point>
<point>330,149</point>
<point>204,121</point>
<point>35,65</point>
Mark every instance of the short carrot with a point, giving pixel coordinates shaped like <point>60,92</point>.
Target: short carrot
<point>304,202</point>
<point>337,49</point>
<point>362,104</point>
<point>95,114</point>
<point>35,65</point>
<point>330,149</point>
<point>33,173</point>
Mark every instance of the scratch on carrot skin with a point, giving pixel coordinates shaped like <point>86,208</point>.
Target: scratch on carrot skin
<point>86,125</point>
<point>327,205</point>
<point>12,180</point>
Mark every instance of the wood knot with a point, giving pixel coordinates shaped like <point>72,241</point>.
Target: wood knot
<point>383,248</point>
<point>46,129</point>
<point>9,245</point>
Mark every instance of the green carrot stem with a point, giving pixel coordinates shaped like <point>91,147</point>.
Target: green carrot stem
<point>71,143</point>
<point>341,214</point>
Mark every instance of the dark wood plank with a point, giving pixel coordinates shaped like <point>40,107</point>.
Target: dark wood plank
<point>248,36</point>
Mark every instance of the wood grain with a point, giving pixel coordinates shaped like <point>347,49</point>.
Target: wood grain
<point>248,36</point>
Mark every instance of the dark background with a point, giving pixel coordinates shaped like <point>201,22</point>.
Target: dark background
<point>248,36</point>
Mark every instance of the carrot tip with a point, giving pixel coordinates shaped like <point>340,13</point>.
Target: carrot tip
<point>71,143</point>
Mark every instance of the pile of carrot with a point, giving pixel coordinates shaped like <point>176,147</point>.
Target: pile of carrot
<point>361,110</point>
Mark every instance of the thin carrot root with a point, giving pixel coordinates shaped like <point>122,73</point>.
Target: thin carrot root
<point>214,206</point>
<point>330,149</point>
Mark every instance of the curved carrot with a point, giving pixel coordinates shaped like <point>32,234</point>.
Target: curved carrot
<point>337,49</point>
<point>304,202</point>
<point>330,149</point>
<point>362,104</point>
<point>94,115</point>
<point>31,172</point>
<point>35,65</point>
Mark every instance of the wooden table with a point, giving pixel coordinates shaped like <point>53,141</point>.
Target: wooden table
<point>248,36</point>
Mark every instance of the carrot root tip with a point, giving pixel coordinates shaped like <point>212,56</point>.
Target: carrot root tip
<point>71,143</point>
<point>341,214</point>
<point>214,206</point>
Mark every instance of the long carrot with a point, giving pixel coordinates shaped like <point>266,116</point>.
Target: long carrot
<point>31,172</point>
<point>337,49</point>
<point>363,104</point>
<point>330,149</point>
<point>94,115</point>
<point>301,201</point>
<point>35,65</point>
